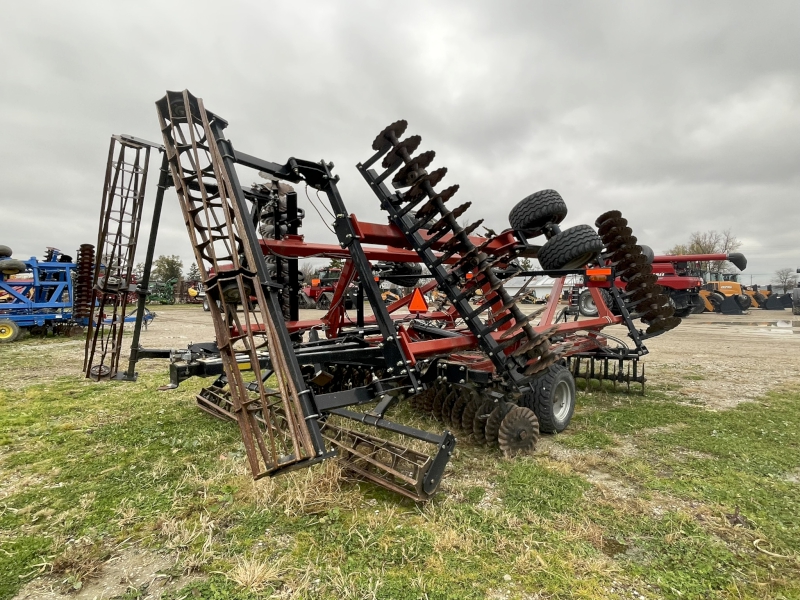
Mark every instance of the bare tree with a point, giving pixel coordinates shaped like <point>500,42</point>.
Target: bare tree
<point>710,242</point>
<point>308,270</point>
<point>785,278</point>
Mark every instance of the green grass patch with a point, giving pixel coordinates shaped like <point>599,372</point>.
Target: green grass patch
<point>640,494</point>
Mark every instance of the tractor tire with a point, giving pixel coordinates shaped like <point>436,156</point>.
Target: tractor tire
<point>305,301</point>
<point>552,399</point>
<point>744,301</point>
<point>760,299</point>
<point>533,213</point>
<point>9,331</point>
<point>324,301</point>
<point>5,252</point>
<point>698,306</point>
<point>716,300</point>
<point>586,304</point>
<point>10,266</point>
<point>570,249</point>
<point>404,274</point>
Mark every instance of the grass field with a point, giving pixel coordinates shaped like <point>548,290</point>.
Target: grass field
<point>643,497</point>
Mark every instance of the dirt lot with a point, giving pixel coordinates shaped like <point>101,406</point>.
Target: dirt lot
<point>713,359</point>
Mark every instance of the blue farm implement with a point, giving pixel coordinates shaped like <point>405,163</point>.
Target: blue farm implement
<point>53,295</point>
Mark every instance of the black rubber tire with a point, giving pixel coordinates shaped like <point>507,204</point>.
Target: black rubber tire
<point>304,301</point>
<point>5,252</point>
<point>716,299</point>
<point>9,331</point>
<point>744,301</point>
<point>324,301</point>
<point>648,253</point>
<point>698,305</point>
<point>401,269</point>
<point>571,249</point>
<point>557,384</point>
<point>760,298</point>
<point>11,266</point>
<point>796,309</point>
<point>531,214</point>
<point>586,304</point>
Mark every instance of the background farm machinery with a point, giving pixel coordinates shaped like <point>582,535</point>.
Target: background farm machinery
<point>302,391</point>
<point>37,296</point>
<point>49,296</point>
<point>691,289</point>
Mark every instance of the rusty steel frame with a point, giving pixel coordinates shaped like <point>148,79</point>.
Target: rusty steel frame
<point>232,270</point>
<point>120,217</point>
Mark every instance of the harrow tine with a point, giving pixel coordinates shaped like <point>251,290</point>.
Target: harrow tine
<point>497,323</point>
<point>470,228</point>
<point>432,179</point>
<point>661,325</point>
<point>611,214</point>
<point>468,416</point>
<point>401,152</point>
<point>525,320</point>
<point>444,222</point>
<point>453,244</point>
<point>431,207</point>
<point>606,226</point>
<point>641,280</point>
<point>644,379</point>
<point>479,421</point>
<point>622,232</point>
<point>411,201</point>
<point>619,242</point>
<point>541,364</point>
<point>533,347</point>
<point>413,170</point>
<point>389,136</point>
<point>447,407</point>
<point>434,239</point>
<point>514,339</point>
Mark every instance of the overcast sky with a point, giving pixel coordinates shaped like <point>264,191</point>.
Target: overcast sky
<point>683,115</point>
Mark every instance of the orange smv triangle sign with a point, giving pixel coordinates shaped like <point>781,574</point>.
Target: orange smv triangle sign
<point>417,303</point>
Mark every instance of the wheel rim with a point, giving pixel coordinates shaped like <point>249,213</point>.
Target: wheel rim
<point>587,303</point>
<point>562,400</point>
<point>580,261</point>
<point>5,332</point>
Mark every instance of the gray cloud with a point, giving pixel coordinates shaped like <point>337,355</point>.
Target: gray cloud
<point>683,115</point>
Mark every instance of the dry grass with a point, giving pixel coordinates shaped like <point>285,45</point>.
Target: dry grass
<point>306,492</point>
<point>256,575</point>
<point>345,586</point>
<point>79,561</point>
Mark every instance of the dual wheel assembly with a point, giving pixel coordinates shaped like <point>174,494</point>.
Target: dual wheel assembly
<point>540,214</point>
<point>8,265</point>
<point>488,419</point>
